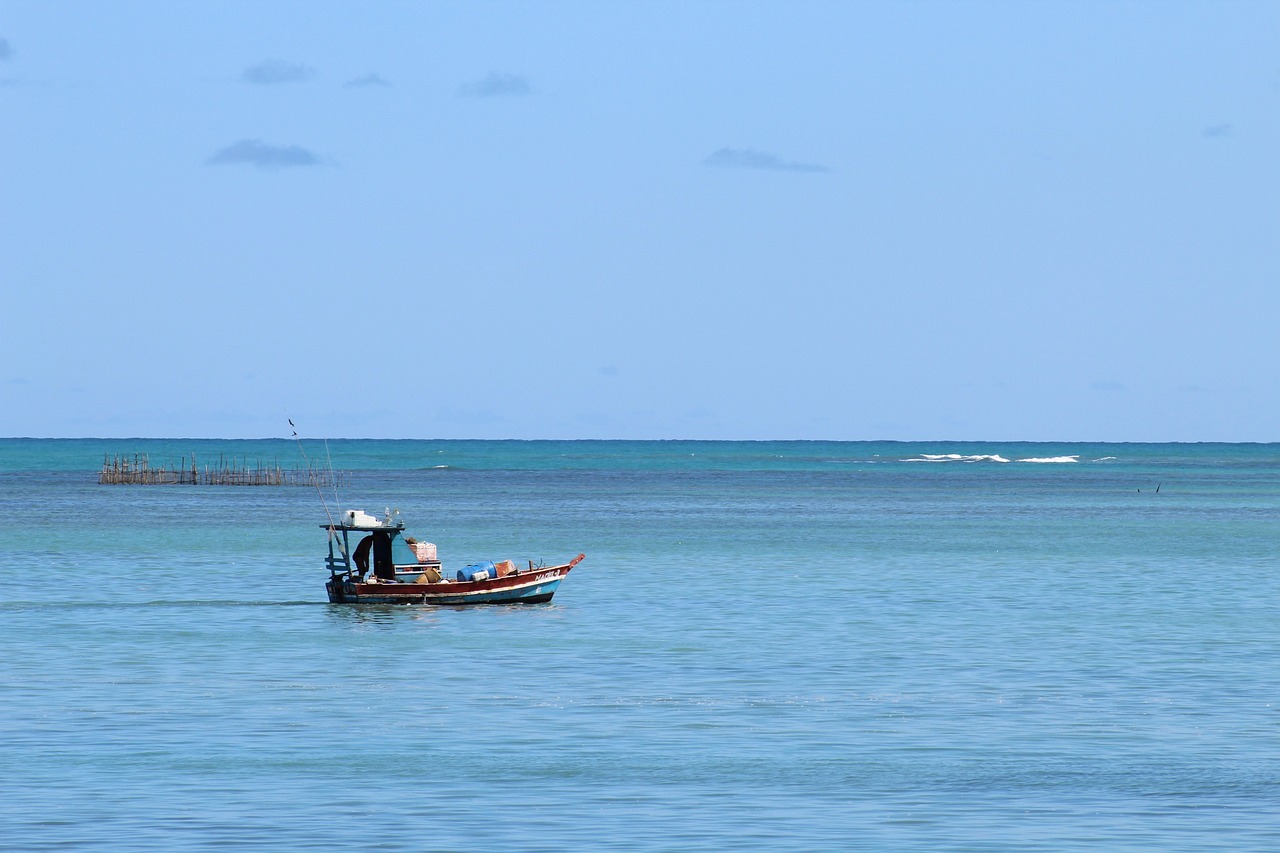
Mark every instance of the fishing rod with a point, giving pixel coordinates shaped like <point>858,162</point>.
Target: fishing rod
<point>333,478</point>
<point>314,480</point>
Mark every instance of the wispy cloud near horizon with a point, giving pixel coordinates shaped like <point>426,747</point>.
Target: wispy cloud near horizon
<point>255,152</point>
<point>749,158</point>
<point>274,71</point>
<point>368,80</point>
<point>496,85</point>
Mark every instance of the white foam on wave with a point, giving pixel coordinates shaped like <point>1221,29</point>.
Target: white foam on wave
<point>956,457</point>
<point>1052,460</point>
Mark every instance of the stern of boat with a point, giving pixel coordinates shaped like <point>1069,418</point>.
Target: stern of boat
<point>335,586</point>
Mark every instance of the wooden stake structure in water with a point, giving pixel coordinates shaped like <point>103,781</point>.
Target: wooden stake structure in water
<point>124,470</point>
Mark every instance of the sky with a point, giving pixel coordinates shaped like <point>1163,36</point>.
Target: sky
<point>1054,221</point>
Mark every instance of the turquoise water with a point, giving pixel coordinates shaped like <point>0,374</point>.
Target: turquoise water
<point>770,646</point>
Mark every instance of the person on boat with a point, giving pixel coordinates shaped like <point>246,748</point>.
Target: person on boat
<point>380,544</point>
<point>361,555</point>
<point>383,567</point>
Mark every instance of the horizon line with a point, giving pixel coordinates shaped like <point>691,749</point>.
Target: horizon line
<point>690,440</point>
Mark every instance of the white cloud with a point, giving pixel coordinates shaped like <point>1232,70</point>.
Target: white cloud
<point>497,85</point>
<point>255,152</point>
<point>367,81</point>
<point>273,72</point>
<point>749,158</point>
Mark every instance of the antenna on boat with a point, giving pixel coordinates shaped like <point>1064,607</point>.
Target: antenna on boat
<point>323,503</point>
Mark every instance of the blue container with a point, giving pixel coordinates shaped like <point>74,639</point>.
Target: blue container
<point>469,572</point>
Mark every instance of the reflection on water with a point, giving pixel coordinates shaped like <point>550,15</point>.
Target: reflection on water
<point>377,614</point>
<point>395,614</point>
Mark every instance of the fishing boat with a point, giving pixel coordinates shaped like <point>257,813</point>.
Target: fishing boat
<point>371,561</point>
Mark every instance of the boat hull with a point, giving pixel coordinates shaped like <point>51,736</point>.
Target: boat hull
<point>535,586</point>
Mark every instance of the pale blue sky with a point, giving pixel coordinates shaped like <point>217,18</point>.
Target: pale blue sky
<point>855,220</point>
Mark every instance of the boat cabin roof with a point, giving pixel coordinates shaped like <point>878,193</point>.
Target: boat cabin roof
<point>385,528</point>
<point>359,521</point>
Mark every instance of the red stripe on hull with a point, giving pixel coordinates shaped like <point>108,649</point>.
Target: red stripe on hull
<point>448,592</point>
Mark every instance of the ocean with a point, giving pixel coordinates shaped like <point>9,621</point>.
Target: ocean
<point>770,646</point>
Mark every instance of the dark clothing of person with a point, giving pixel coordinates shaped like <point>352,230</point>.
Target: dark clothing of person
<point>383,566</point>
<point>361,555</point>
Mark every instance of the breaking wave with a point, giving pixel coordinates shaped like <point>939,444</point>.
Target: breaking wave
<point>989,457</point>
<point>955,457</point>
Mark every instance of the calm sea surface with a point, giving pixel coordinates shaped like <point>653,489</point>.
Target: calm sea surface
<point>792,645</point>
